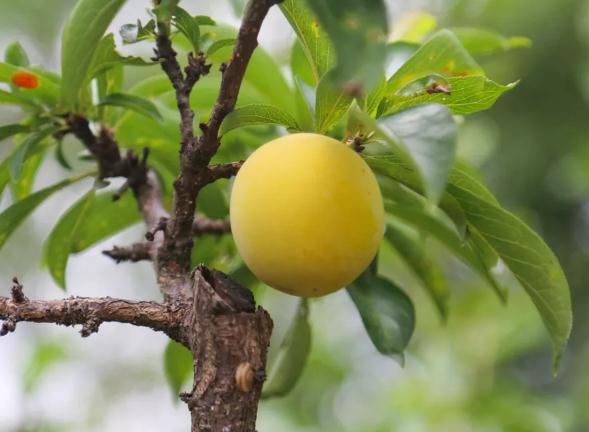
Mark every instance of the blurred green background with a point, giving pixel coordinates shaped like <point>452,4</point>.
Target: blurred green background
<point>487,369</point>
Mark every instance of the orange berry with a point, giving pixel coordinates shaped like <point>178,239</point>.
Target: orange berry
<point>25,79</point>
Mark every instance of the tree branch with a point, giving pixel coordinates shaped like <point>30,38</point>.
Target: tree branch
<point>143,251</point>
<point>227,170</point>
<point>196,154</point>
<point>89,312</point>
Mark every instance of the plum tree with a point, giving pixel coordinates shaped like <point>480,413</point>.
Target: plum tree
<point>306,214</point>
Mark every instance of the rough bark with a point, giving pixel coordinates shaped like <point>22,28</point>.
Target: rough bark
<point>210,314</point>
<point>229,339</point>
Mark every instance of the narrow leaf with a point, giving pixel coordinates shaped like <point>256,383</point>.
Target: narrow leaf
<point>9,130</point>
<point>413,252</point>
<point>13,216</point>
<point>187,26</point>
<point>529,259</point>
<point>442,54</point>
<point>135,103</point>
<point>331,104</point>
<point>291,359</point>
<point>104,219</point>
<point>463,95</point>
<point>58,245</point>
<point>25,149</point>
<point>221,43</point>
<point>81,37</point>
<point>314,41</point>
<point>355,27</point>
<point>257,114</point>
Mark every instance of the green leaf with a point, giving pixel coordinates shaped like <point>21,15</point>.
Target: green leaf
<point>417,258</point>
<point>46,91</point>
<point>177,366</point>
<point>314,41</point>
<point>463,95</point>
<point>255,115</point>
<point>16,55</point>
<point>81,37</point>
<point>204,20</point>
<point>481,41</point>
<point>58,245</point>
<point>26,149</point>
<point>386,311</point>
<point>427,135</point>
<point>303,108</point>
<point>135,103</point>
<point>13,216</point>
<point>355,27</point>
<point>442,54</point>
<point>107,57</point>
<point>331,104</point>
<point>23,186</point>
<point>104,219</point>
<point>290,361</point>
<point>60,156</point>
<point>221,43</point>
<point>188,26</point>
<point>9,130</point>
<point>429,224</point>
<point>299,65</point>
<point>164,11</point>
<point>22,100</point>
<point>529,259</point>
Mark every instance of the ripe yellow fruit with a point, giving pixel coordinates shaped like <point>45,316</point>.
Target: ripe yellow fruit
<point>306,214</point>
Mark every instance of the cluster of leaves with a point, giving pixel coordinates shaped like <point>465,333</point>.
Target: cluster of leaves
<point>398,100</point>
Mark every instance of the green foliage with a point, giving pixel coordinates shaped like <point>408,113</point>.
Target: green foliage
<point>442,54</point>
<point>103,219</point>
<point>59,244</point>
<point>80,40</point>
<point>529,259</point>
<point>177,366</point>
<point>26,149</point>
<point>386,311</point>
<point>403,118</point>
<point>16,55</point>
<point>188,26</point>
<point>290,361</point>
<point>314,41</point>
<point>415,254</point>
<point>9,130</point>
<point>355,27</point>
<point>257,114</point>
<point>330,104</point>
<point>134,103</point>
<point>13,216</point>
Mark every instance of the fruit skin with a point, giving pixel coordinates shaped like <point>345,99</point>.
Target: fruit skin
<point>25,80</point>
<point>306,214</point>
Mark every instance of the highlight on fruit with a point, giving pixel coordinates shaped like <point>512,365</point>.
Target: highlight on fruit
<point>25,80</point>
<point>307,214</point>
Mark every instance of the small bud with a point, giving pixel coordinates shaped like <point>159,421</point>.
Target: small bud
<point>25,80</point>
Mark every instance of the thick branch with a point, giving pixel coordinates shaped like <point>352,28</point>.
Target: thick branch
<point>90,313</point>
